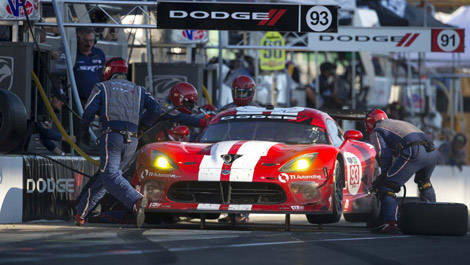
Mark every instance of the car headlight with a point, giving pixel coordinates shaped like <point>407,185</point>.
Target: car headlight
<point>162,162</point>
<point>299,164</point>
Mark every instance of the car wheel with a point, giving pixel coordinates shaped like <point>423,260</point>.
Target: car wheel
<point>337,191</point>
<point>13,122</point>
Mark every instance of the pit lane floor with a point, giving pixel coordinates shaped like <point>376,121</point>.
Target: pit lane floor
<point>261,241</point>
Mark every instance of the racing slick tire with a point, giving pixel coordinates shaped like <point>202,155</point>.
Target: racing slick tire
<point>13,122</point>
<point>338,184</point>
<point>433,218</point>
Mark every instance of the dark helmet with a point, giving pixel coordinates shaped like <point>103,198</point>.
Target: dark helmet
<point>243,90</point>
<point>373,117</point>
<point>183,95</point>
<point>114,65</point>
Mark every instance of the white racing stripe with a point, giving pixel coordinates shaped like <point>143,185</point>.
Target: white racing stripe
<point>208,206</point>
<point>243,168</point>
<point>211,165</point>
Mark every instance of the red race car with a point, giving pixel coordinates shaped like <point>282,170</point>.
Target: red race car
<point>262,160</point>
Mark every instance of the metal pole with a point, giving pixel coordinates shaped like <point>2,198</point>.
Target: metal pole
<point>408,84</point>
<point>68,61</point>
<point>317,81</point>
<point>462,118</point>
<point>353,81</point>
<point>452,93</point>
<point>219,88</point>
<point>149,55</point>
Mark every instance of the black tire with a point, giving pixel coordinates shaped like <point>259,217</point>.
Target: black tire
<point>433,218</point>
<point>13,122</point>
<point>338,184</point>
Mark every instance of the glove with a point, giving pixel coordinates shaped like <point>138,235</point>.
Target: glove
<point>204,121</point>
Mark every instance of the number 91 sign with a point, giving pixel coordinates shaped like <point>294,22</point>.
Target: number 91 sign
<point>448,40</point>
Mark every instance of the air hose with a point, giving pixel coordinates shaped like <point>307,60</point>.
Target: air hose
<point>206,94</point>
<point>58,124</point>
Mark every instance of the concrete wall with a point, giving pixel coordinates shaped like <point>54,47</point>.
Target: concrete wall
<point>11,189</point>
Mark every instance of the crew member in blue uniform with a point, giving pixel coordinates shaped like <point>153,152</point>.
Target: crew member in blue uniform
<point>89,62</point>
<point>120,105</point>
<point>402,150</point>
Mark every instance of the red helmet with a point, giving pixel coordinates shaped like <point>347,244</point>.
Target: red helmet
<point>373,117</point>
<point>183,95</point>
<point>243,90</point>
<point>113,66</point>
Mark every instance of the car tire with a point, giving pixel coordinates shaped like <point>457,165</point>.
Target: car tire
<point>13,122</point>
<point>338,184</point>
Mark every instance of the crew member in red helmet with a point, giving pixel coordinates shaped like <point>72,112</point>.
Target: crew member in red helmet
<point>243,91</point>
<point>402,150</point>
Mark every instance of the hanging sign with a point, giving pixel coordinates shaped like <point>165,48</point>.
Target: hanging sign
<point>272,59</point>
<point>389,39</point>
<point>15,10</point>
<point>247,16</point>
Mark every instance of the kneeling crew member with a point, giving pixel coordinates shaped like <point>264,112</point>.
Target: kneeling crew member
<point>402,150</point>
<point>120,105</point>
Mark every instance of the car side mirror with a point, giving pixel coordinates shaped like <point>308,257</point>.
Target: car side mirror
<point>180,131</point>
<point>353,135</point>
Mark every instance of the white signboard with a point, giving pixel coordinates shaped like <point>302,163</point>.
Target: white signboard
<point>389,39</point>
<point>11,189</point>
<point>15,9</point>
<point>385,39</point>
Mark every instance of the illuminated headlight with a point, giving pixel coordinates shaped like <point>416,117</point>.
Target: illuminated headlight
<point>154,190</point>
<point>162,161</point>
<point>299,164</point>
<point>304,191</point>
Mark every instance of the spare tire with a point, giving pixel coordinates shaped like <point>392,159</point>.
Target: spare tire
<point>13,121</point>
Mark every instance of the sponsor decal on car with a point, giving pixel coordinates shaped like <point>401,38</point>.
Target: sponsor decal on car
<point>354,172</point>
<point>147,173</point>
<point>154,204</point>
<point>297,208</point>
<point>284,177</point>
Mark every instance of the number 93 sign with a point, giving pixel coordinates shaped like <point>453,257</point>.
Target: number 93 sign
<point>448,40</point>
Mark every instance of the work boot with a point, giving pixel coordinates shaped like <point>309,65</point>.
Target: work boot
<point>79,221</point>
<point>140,206</point>
<point>389,227</point>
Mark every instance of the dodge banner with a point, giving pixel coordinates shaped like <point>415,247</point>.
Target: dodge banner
<point>389,39</point>
<point>247,16</point>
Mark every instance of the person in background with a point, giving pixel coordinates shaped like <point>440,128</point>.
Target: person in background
<point>454,153</point>
<point>89,62</point>
<point>402,151</point>
<point>328,87</point>
<point>243,91</point>
<point>48,135</point>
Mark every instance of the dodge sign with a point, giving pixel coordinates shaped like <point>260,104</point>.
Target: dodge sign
<point>247,16</point>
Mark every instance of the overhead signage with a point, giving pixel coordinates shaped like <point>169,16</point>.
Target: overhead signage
<point>389,39</point>
<point>448,40</point>
<point>14,9</point>
<point>247,16</point>
<point>272,59</point>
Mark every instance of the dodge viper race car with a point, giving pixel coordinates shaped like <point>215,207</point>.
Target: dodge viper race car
<point>261,160</point>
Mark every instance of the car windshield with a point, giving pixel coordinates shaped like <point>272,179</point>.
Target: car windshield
<point>265,130</point>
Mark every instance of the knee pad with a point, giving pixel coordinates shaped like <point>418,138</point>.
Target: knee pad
<point>424,185</point>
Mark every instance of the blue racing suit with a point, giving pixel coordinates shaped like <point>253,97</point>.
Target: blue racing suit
<point>402,151</point>
<point>120,105</point>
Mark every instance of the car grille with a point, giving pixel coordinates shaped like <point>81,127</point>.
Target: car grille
<point>226,192</point>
